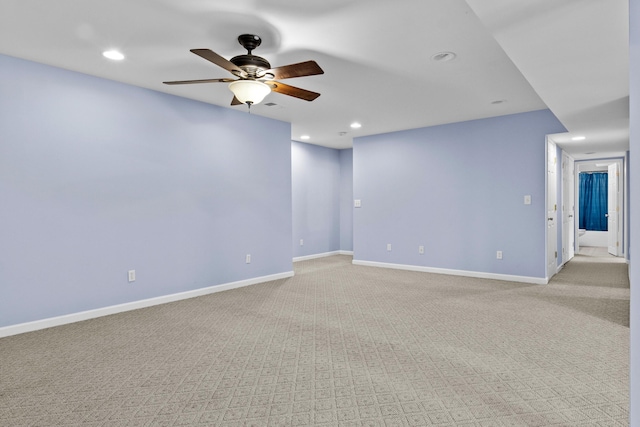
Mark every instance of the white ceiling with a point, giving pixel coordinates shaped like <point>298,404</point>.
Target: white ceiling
<point>567,55</point>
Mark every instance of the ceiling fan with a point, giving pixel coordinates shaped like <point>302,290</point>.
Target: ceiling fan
<point>255,77</point>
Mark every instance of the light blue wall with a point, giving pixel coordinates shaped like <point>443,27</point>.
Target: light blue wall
<point>315,174</point>
<point>634,237</point>
<point>457,189</point>
<point>98,177</point>
<point>346,200</point>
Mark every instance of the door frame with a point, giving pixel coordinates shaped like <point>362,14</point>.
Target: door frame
<point>551,209</point>
<point>622,200</point>
<point>569,232</point>
<point>617,235</point>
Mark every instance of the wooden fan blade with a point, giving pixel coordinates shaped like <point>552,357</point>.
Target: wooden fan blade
<point>301,69</point>
<point>189,82</point>
<point>235,101</point>
<point>211,56</point>
<point>296,92</point>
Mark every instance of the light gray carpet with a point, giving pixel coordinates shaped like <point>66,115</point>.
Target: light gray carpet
<point>340,345</point>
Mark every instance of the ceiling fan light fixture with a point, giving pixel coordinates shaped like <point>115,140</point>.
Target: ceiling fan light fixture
<point>253,71</point>
<point>249,91</point>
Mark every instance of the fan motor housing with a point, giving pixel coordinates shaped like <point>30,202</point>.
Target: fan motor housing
<point>252,64</point>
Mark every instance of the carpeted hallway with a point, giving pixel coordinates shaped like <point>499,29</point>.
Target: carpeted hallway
<point>340,345</point>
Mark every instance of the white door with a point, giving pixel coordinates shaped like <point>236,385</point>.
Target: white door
<point>552,208</point>
<point>613,209</point>
<point>568,208</point>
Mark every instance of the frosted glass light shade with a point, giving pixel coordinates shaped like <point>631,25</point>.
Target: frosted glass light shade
<point>249,91</point>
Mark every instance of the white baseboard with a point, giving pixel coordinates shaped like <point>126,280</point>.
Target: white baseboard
<point>134,305</point>
<point>322,255</point>
<point>464,273</point>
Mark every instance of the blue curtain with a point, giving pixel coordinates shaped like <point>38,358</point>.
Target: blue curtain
<point>593,201</point>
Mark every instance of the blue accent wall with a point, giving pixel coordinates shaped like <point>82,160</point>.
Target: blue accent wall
<point>346,200</point>
<point>457,189</point>
<point>634,191</point>
<point>98,178</point>
<point>316,199</point>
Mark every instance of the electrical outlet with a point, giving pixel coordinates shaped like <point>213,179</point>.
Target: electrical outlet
<point>301,242</point>
<point>389,247</point>
<point>132,275</point>
<point>421,249</point>
<point>248,259</point>
<point>499,255</point>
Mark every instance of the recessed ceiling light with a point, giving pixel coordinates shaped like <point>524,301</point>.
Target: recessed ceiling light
<point>443,56</point>
<point>578,138</point>
<point>305,137</point>
<point>113,54</point>
<point>355,125</point>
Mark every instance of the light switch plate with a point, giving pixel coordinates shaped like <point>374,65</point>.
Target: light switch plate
<point>527,199</point>
<point>357,203</point>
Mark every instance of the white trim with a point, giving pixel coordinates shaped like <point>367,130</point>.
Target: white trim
<point>322,255</point>
<point>476,274</point>
<point>134,305</point>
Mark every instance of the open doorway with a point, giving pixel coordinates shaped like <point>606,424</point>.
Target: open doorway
<point>565,237</point>
<point>599,204</point>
